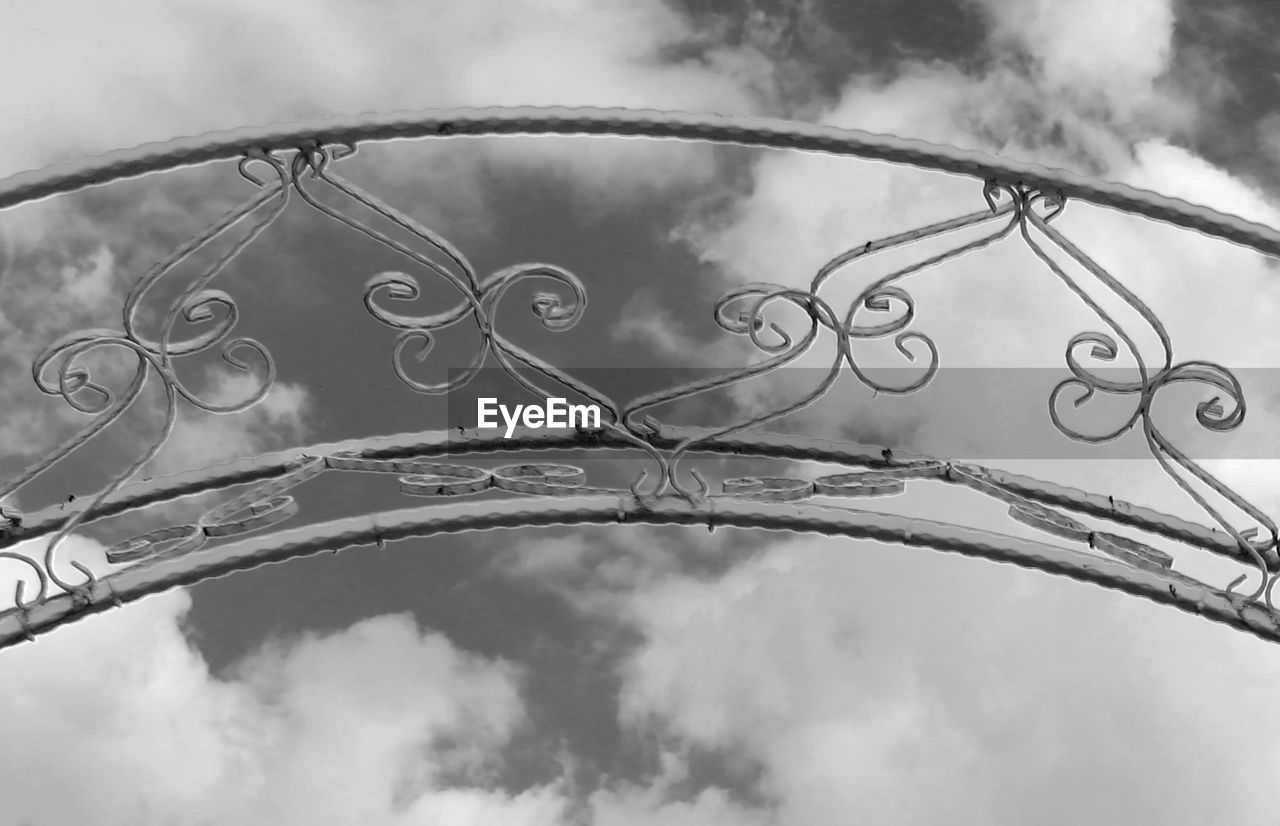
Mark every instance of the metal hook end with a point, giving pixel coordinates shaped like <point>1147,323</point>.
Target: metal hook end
<point>82,594</point>
<point>255,153</point>
<point>991,191</point>
<point>1271,584</point>
<point>700,495</point>
<point>1235,583</point>
<point>642,499</point>
<point>343,150</point>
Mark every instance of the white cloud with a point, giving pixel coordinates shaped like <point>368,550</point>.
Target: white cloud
<point>865,681</point>
<point>286,61</point>
<point>292,60</point>
<point>588,570</point>
<point>868,686</point>
<point>873,683</point>
<point>636,805</point>
<point>1001,306</point>
<point>1098,57</point>
<point>201,439</point>
<point>120,721</point>
<point>885,684</point>
<point>1269,136</point>
<point>43,299</point>
<point>1179,173</point>
<point>380,723</point>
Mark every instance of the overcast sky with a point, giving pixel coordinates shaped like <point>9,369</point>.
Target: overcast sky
<point>639,675</point>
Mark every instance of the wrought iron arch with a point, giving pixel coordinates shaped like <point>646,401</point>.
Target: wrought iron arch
<point>293,160</point>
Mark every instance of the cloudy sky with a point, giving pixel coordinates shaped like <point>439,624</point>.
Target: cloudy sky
<point>642,675</point>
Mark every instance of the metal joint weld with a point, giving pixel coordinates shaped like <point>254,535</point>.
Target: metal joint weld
<point>82,597</point>
<point>114,595</point>
<point>23,614</point>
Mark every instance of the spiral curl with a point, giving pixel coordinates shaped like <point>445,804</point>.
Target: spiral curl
<point>59,370</point>
<point>479,302</point>
<point>1209,414</point>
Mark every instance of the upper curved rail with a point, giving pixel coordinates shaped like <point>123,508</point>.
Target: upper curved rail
<point>725,129</point>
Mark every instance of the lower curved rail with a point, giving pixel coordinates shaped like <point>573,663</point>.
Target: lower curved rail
<point>154,576</point>
<point>438,444</point>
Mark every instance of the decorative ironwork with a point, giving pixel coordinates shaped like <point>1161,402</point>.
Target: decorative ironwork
<point>299,162</point>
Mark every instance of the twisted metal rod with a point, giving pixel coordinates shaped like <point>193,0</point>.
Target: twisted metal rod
<point>424,446</point>
<point>1152,583</point>
<point>645,123</point>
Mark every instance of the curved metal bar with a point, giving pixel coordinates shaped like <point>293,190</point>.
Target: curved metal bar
<point>1153,583</point>
<point>743,131</point>
<point>425,445</point>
